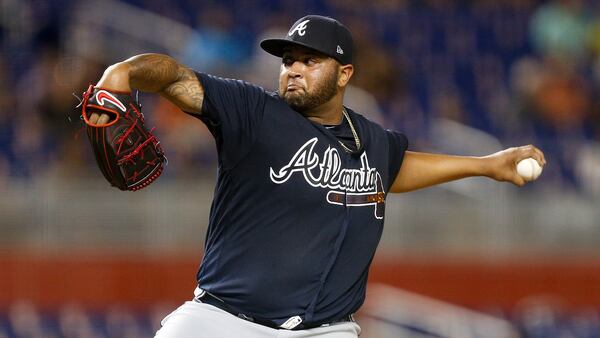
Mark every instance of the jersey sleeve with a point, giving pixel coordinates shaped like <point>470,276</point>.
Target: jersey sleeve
<point>233,111</point>
<point>398,145</point>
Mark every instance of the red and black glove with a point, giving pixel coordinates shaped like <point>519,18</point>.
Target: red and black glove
<point>128,155</point>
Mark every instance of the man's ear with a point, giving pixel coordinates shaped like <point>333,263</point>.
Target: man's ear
<point>345,73</point>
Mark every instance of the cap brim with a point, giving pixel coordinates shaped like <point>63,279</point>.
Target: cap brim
<point>276,46</point>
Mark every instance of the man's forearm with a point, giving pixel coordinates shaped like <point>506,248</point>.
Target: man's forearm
<point>156,73</point>
<point>420,170</point>
<point>145,72</point>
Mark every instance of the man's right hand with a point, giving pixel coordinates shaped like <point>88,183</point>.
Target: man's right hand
<point>127,153</point>
<point>98,119</point>
<point>116,78</point>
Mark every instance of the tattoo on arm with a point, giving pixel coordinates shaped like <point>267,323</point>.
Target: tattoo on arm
<point>163,74</point>
<point>187,93</point>
<point>152,72</point>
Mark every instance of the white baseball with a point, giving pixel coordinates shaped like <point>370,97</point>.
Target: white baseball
<point>529,169</point>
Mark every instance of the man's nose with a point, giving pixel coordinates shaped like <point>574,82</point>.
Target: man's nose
<point>295,69</point>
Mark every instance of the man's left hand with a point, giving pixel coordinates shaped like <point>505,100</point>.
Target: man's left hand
<point>502,166</point>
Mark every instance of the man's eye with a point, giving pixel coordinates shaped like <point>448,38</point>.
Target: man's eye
<point>287,61</point>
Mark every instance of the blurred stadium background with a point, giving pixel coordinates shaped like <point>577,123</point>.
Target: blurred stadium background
<point>467,259</point>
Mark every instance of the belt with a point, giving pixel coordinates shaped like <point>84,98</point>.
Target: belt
<point>294,323</point>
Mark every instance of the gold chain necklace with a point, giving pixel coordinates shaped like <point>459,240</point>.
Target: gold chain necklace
<point>356,139</point>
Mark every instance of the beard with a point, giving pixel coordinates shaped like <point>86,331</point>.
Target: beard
<point>302,101</point>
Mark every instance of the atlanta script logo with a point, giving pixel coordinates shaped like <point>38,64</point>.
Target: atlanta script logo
<point>351,187</point>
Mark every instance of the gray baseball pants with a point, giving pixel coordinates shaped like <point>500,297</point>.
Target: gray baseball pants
<point>198,320</point>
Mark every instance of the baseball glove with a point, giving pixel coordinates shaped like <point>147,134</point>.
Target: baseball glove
<point>128,155</point>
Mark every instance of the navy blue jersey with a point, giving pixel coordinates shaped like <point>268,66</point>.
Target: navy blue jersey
<point>295,219</point>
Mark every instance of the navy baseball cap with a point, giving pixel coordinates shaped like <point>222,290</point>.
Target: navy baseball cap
<point>321,33</point>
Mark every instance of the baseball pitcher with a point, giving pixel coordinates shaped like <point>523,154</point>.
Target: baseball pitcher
<point>299,204</point>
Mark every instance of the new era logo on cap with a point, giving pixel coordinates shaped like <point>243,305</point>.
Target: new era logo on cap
<point>320,33</point>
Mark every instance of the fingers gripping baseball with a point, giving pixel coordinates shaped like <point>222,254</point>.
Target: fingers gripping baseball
<point>504,167</point>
